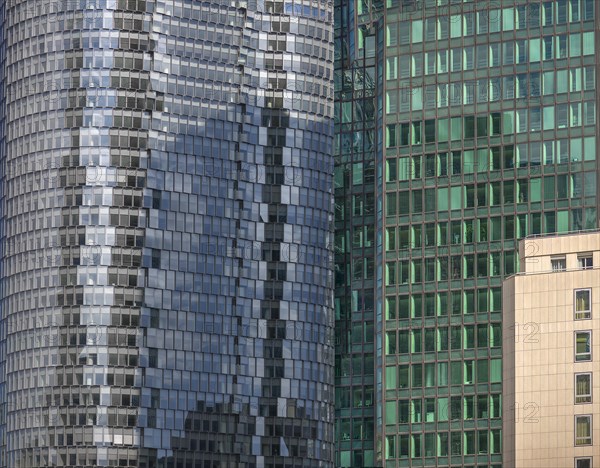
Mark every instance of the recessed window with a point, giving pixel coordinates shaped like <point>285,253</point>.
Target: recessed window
<point>559,264</point>
<point>583,429</point>
<point>583,346</point>
<point>583,462</point>
<point>583,304</point>
<point>583,388</point>
<point>585,262</point>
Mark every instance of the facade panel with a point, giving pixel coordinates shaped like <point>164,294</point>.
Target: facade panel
<point>550,411</point>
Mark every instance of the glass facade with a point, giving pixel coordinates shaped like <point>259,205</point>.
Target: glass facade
<point>357,221</point>
<point>166,226</point>
<point>488,133</point>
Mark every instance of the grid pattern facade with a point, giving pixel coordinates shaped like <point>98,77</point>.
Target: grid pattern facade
<point>166,215</point>
<point>356,221</point>
<point>490,135</point>
<point>486,132</point>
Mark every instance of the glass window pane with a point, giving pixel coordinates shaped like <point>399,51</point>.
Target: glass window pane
<point>583,304</point>
<point>443,366</point>
<point>583,346</point>
<point>416,411</point>
<point>482,371</point>
<point>588,43</point>
<point>508,19</point>
<point>390,377</point>
<point>417,31</point>
<point>391,34</point>
<point>583,388</point>
<point>562,221</point>
<point>390,412</point>
<point>442,125</point>
<point>583,462</point>
<point>496,370</point>
<point>534,50</point>
<point>495,20</point>
<point>589,148</point>
<point>583,430</point>
<point>456,128</point>
<point>548,83</point>
<point>547,13</point>
<point>575,45</point>
<point>442,409</point>
<point>548,118</point>
<point>390,447</point>
<point>404,30</point>
<point>456,26</point>
<point>417,375</point>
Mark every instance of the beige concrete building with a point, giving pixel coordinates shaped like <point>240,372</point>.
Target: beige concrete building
<point>551,354</point>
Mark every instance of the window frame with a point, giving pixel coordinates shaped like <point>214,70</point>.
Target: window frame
<point>591,439</point>
<point>590,459</point>
<point>590,387</point>
<point>582,314</point>
<point>585,259</point>
<point>557,259</point>
<point>588,332</point>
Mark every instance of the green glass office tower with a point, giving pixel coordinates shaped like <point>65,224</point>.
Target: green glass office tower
<point>484,131</point>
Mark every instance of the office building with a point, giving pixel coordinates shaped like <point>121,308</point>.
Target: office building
<point>166,223</point>
<point>461,128</point>
<point>356,221</point>
<point>550,389</point>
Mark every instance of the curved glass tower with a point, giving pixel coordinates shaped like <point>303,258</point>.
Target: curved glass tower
<point>166,214</point>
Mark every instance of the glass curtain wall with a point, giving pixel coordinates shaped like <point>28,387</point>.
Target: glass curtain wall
<point>357,223</point>
<point>490,135</point>
<point>166,225</point>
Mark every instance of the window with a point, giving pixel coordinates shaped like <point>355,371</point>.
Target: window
<point>585,262</point>
<point>583,388</point>
<point>583,346</point>
<point>583,304</point>
<point>430,131</point>
<point>583,462</point>
<point>583,430</point>
<point>559,264</point>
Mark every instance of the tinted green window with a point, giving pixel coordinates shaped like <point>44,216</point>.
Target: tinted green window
<point>442,409</point>
<point>482,371</point>
<point>534,50</point>
<point>509,122</point>
<point>589,148</point>
<point>403,205</point>
<point>442,199</point>
<point>456,127</point>
<point>430,131</point>
<point>390,412</point>
<point>391,204</point>
<point>562,221</point>
<point>495,370</point>
<point>404,134</point>
<point>442,373</point>
<point>456,373</point>
<point>442,125</point>
<point>469,127</point>
<point>468,161</point>
<point>588,43</point>
<point>535,189</point>
<point>549,188</point>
